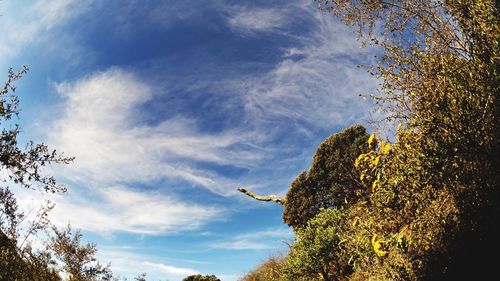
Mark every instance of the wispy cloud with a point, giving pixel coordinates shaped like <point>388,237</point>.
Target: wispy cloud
<point>36,23</point>
<point>169,270</point>
<point>317,80</point>
<point>101,126</point>
<point>106,210</point>
<point>142,212</point>
<point>249,20</point>
<point>127,263</point>
<point>260,240</point>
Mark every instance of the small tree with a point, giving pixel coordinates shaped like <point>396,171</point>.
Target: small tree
<point>22,167</point>
<point>78,261</point>
<point>199,277</point>
<point>269,270</point>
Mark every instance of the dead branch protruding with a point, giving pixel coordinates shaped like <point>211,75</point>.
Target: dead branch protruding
<point>273,198</point>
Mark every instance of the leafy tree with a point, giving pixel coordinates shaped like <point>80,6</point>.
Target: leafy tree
<point>316,252</point>
<point>269,270</point>
<point>430,201</point>
<point>24,168</point>
<point>434,193</point>
<point>199,277</point>
<point>332,179</point>
<point>78,261</point>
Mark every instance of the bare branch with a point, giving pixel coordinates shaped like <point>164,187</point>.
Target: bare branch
<point>273,198</point>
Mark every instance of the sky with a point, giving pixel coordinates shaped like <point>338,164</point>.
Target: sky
<point>168,107</point>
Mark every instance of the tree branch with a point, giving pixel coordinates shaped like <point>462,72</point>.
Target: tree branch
<point>273,198</point>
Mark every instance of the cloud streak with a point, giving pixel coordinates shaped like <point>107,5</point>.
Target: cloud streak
<point>127,263</point>
<point>100,124</point>
<point>260,240</point>
<point>106,210</point>
<point>36,24</point>
<point>250,20</point>
<point>121,209</point>
<point>317,80</point>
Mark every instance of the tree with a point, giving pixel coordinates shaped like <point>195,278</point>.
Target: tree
<point>437,187</point>
<point>24,168</point>
<point>431,199</point>
<point>78,261</point>
<point>199,277</point>
<point>332,179</point>
<point>316,251</point>
<point>269,270</point>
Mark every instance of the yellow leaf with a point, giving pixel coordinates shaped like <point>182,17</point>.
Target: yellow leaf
<point>375,184</point>
<point>385,147</point>
<point>363,176</point>
<point>341,241</point>
<point>371,141</point>
<point>377,245</point>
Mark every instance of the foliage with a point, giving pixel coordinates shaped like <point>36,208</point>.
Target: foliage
<point>79,263</point>
<point>436,189</point>
<point>23,166</point>
<point>332,179</point>
<point>269,270</point>
<point>430,200</point>
<point>23,265</point>
<point>316,252</point>
<point>64,257</point>
<point>199,277</point>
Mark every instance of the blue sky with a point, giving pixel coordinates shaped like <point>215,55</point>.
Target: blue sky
<point>168,107</point>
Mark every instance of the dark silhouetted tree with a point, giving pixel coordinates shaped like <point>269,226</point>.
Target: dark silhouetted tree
<point>199,277</point>
<point>332,179</point>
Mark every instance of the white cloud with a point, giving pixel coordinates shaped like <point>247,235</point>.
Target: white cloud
<point>100,125</point>
<point>170,270</point>
<point>106,210</point>
<point>260,240</point>
<point>317,81</point>
<point>50,14</point>
<point>128,264</point>
<point>119,209</point>
<point>22,26</point>
<point>249,20</point>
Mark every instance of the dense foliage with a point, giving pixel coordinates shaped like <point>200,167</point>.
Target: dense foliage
<point>432,197</point>
<point>331,180</point>
<point>316,250</point>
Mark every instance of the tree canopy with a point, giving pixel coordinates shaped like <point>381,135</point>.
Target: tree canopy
<point>331,180</point>
<point>429,200</point>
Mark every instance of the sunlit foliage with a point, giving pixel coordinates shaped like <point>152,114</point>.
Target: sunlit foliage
<point>431,197</point>
<point>270,270</point>
<point>317,250</point>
